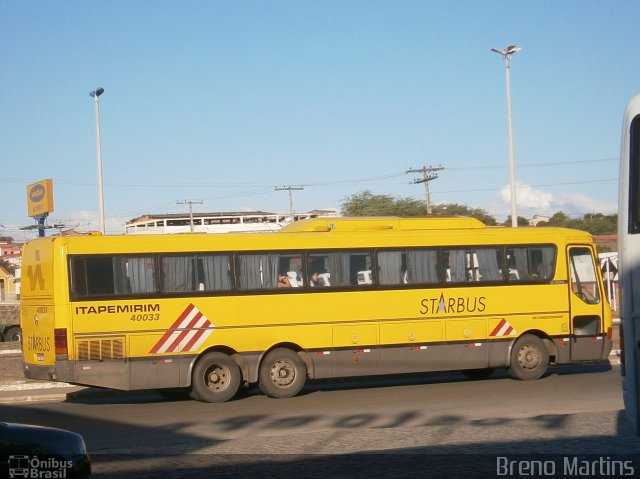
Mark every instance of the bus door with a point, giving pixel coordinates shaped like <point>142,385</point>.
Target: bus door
<point>586,303</point>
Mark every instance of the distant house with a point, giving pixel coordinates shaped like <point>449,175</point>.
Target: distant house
<point>10,249</point>
<point>538,219</point>
<point>7,285</point>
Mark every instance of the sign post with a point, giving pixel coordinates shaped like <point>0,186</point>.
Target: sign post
<point>40,202</point>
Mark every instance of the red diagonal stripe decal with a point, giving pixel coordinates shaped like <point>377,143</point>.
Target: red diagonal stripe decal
<point>196,336</point>
<point>173,327</point>
<point>181,336</point>
<point>498,327</point>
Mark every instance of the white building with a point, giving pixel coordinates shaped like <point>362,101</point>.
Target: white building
<point>222,222</point>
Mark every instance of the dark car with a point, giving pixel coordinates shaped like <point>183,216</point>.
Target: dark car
<point>37,451</point>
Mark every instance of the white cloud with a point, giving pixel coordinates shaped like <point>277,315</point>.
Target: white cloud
<point>534,201</point>
<point>527,196</point>
<point>580,204</point>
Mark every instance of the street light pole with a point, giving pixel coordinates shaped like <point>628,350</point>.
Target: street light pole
<point>95,94</point>
<point>506,55</point>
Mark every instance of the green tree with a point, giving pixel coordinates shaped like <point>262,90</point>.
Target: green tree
<point>368,204</point>
<point>558,219</point>
<point>454,209</point>
<point>522,221</point>
<point>599,224</point>
<point>594,223</point>
<point>10,267</point>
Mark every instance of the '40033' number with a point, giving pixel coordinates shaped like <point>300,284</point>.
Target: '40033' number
<point>145,317</point>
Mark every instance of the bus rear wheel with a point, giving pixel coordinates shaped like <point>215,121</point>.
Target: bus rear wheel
<point>529,358</point>
<point>216,378</point>
<point>282,373</point>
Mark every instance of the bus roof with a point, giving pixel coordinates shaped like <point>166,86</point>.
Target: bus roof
<point>326,233</point>
<point>381,224</point>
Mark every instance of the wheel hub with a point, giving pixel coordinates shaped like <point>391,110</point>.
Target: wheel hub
<point>528,357</point>
<point>217,378</point>
<point>283,373</point>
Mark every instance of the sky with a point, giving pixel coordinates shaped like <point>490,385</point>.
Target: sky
<point>221,102</point>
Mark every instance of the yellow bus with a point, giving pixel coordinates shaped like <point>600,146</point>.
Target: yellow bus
<point>322,298</point>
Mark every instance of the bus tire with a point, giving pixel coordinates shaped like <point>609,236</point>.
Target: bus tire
<point>282,373</point>
<point>216,378</point>
<point>529,358</point>
<point>13,334</point>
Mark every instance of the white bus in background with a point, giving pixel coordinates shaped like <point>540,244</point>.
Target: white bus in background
<point>629,259</point>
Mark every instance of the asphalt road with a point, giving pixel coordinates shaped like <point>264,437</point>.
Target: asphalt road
<point>412,426</point>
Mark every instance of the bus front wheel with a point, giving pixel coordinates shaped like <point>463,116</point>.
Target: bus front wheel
<point>216,378</point>
<point>282,373</point>
<point>529,358</point>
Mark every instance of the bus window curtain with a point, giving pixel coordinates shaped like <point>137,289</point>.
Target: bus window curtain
<point>120,276</point>
<point>216,273</point>
<point>178,273</point>
<point>141,272</point>
<point>548,257</point>
<point>270,271</point>
<point>457,265</point>
<point>338,269</point>
<point>390,267</point>
<point>250,271</point>
<point>422,266</point>
<point>522,262</point>
<point>488,262</point>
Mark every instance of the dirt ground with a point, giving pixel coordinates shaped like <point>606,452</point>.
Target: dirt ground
<point>11,369</point>
<point>11,365</point>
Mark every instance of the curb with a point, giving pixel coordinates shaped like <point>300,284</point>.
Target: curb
<point>33,398</point>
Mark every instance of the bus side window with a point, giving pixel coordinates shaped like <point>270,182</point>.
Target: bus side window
<point>92,276</point>
<point>135,274</point>
<point>263,271</point>
<point>531,263</point>
<point>319,269</point>
<point>178,273</point>
<point>255,272</point>
<point>339,269</point>
<point>458,268</point>
<point>213,272</point>
<point>392,267</point>
<point>422,266</point>
<point>78,277</point>
<point>489,261</point>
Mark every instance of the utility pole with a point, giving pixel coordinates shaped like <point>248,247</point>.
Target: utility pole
<point>190,203</point>
<point>289,189</point>
<point>427,175</point>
